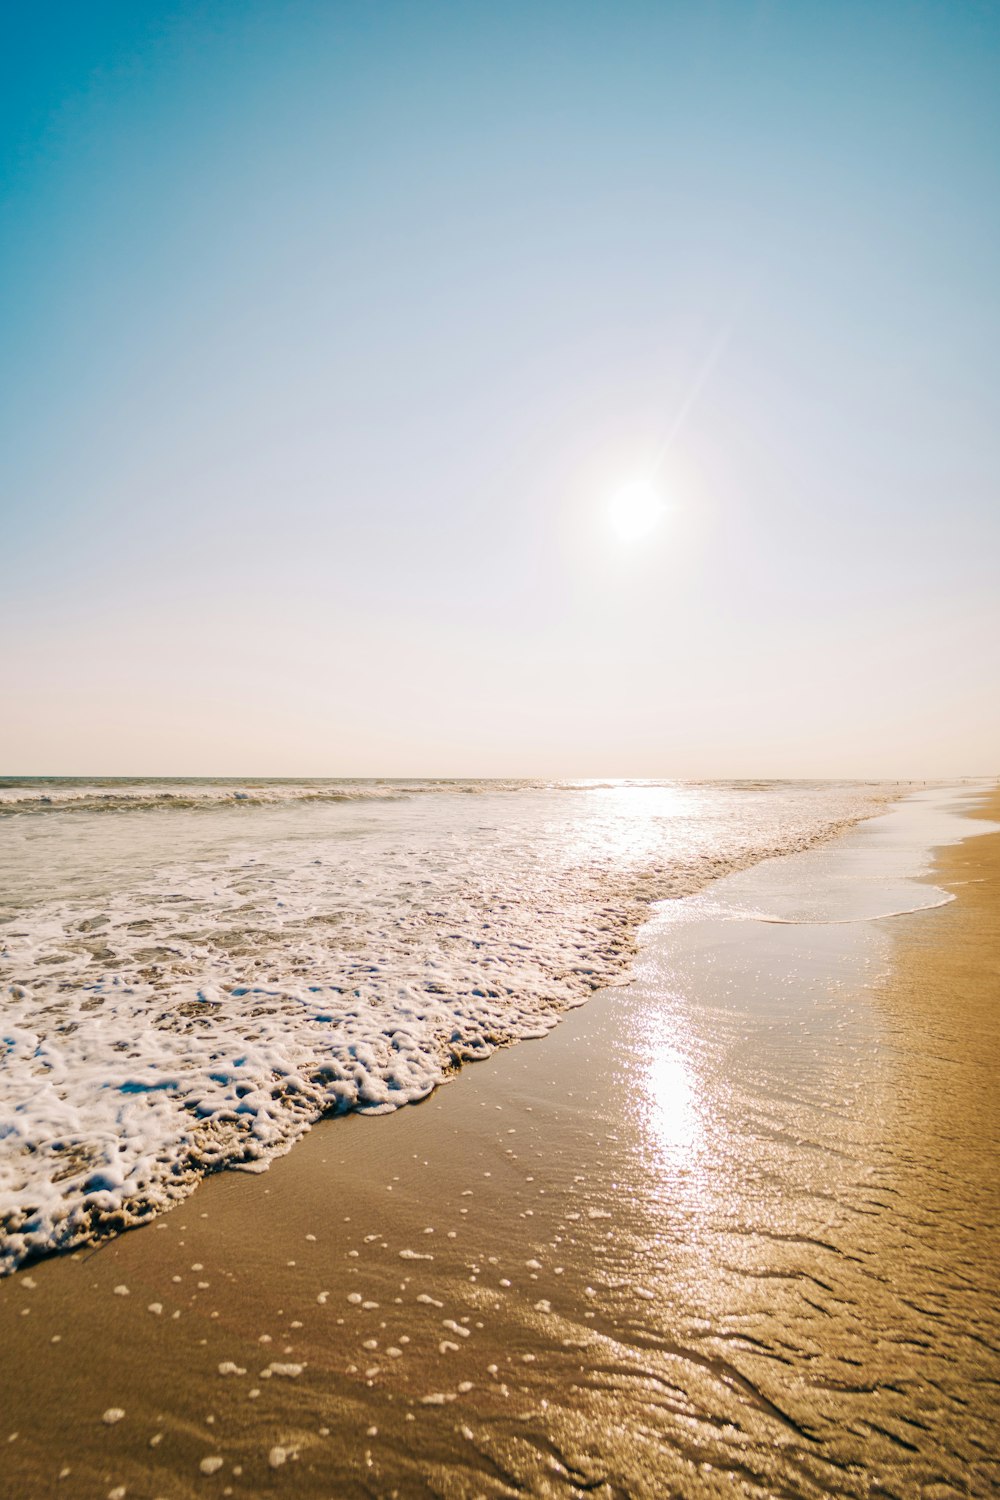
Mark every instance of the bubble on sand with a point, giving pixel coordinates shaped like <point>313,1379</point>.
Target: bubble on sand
<point>211,1465</point>
<point>228,1368</point>
<point>156,1308</point>
<point>121,1291</point>
<point>113,1414</point>
<point>277,1457</point>
<point>354,1298</point>
<point>413,1255</point>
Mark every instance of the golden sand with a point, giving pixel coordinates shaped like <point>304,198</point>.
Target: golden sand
<point>562,1276</point>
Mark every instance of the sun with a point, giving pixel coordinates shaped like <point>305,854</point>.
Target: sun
<point>635,511</point>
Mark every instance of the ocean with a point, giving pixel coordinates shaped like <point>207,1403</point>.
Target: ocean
<point>194,971</point>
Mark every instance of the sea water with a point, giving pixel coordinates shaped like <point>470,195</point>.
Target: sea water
<point>194,971</point>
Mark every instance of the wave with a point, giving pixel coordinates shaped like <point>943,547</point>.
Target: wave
<point>71,795</point>
<point>46,795</point>
<point>204,1010</point>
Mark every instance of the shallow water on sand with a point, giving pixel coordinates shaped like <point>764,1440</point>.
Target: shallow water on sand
<point>193,972</point>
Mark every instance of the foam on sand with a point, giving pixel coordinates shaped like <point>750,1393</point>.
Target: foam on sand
<point>164,1017</point>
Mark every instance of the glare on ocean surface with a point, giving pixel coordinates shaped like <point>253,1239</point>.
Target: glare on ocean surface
<point>635,510</point>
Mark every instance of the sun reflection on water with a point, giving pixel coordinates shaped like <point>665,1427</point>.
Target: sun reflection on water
<point>624,822</point>
<point>671,1106</point>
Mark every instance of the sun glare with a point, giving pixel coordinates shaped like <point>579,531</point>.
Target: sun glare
<point>635,510</point>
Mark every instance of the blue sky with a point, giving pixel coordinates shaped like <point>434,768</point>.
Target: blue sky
<point>327,333</point>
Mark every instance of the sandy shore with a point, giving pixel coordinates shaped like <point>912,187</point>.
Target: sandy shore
<point>731,1228</point>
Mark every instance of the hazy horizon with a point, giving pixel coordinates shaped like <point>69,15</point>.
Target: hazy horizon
<point>331,334</point>
<point>459,778</point>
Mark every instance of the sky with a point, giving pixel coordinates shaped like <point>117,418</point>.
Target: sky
<point>329,333</point>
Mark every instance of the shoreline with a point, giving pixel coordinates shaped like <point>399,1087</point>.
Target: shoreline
<point>578,1277</point>
<point>281,1052</point>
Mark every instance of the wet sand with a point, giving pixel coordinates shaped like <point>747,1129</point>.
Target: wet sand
<point>731,1228</point>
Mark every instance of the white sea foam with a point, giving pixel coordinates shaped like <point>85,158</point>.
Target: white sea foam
<point>193,989</point>
<point>39,794</point>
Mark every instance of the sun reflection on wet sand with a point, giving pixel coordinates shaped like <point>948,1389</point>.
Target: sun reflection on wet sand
<point>671,1116</point>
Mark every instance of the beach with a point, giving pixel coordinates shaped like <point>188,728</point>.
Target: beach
<point>729,1227</point>
<point>499,802</point>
